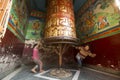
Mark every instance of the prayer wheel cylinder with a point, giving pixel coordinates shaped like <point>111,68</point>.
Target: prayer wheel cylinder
<point>60,22</point>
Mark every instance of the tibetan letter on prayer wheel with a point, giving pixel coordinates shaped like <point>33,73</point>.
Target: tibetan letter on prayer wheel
<point>60,22</point>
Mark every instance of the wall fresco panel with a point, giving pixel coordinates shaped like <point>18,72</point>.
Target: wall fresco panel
<point>97,18</point>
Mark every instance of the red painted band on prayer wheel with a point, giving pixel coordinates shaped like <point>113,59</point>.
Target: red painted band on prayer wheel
<point>60,22</point>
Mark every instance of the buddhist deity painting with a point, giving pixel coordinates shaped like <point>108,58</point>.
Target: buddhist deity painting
<point>35,29</point>
<point>100,16</point>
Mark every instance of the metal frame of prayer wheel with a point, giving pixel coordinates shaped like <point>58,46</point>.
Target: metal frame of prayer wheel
<point>60,22</point>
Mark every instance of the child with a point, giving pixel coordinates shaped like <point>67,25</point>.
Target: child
<point>36,58</point>
<point>83,53</point>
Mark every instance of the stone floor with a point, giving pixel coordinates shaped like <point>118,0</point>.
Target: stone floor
<point>82,74</point>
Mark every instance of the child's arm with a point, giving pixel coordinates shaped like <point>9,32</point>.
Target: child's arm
<point>91,54</point>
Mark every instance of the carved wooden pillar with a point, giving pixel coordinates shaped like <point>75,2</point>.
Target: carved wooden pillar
<point>5,6</point>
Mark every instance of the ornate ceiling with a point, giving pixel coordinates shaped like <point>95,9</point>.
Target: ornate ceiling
<point>40,4</point>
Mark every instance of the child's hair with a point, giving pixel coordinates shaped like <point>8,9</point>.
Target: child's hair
<point>34,45</point>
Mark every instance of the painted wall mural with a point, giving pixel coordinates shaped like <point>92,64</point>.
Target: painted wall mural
<point>18,19</point>
<point>35,29</point>
<point>100,19</point>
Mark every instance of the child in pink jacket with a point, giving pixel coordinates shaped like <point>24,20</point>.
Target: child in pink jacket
<point>36,58</point>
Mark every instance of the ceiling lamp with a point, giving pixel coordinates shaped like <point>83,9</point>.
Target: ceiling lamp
<point>118,3</point>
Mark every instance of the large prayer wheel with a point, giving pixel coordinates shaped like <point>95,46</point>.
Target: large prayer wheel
<point>60,22</point>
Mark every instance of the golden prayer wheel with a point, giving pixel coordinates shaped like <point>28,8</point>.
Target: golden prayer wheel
<point>60,22</point>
